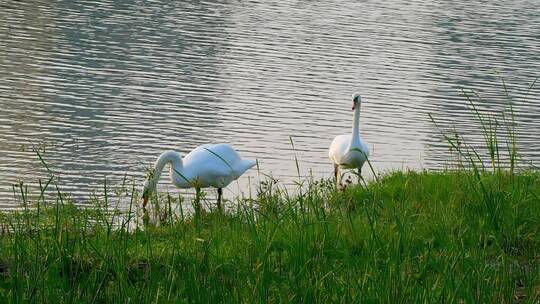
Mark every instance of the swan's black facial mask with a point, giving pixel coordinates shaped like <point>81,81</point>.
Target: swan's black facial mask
<point>355,101</point>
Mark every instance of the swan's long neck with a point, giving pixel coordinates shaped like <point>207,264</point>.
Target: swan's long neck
<point>355,136</point>
<point>169,157</point>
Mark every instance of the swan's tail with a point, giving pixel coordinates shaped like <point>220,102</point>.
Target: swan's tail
<point>243,166</point>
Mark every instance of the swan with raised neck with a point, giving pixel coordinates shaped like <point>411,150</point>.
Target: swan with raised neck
<point>349,151</point>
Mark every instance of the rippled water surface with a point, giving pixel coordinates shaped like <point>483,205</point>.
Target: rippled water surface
<point>102,87</point>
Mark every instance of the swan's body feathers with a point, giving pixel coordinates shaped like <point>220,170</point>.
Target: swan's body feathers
<point>346,156</point>
<point>209,165</point>
<point>213,165</point>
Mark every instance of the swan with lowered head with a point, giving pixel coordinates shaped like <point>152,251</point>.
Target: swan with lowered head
<point>209,165</point>
<point>349,151</point>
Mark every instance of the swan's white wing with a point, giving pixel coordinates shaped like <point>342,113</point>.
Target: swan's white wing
<point>243,165</point>
<point>222,152</point>
<point>226,152</point>
<point>216,165</point>
<point>338,148</point>
<point>207,159</point>
<point>213,174</point>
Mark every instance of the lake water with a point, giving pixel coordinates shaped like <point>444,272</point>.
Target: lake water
<point>103,87</point>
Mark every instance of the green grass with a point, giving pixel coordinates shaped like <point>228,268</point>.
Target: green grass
<point>410,237</point>
<point>467,235</point>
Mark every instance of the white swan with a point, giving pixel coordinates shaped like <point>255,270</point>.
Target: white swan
<point>209,165</point>
<point>349,151</point>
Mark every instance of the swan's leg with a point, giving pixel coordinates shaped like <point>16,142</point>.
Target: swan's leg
<point>220,194</point>
<point>360,178</point>
<point>336,174</point>
<point>197,199</point>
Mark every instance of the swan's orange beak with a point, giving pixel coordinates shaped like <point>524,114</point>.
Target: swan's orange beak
<point>145,201</point>
<point>354,105</point>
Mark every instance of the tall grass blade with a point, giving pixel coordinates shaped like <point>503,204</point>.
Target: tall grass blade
<point>295,157</point>
<point>221,158</point>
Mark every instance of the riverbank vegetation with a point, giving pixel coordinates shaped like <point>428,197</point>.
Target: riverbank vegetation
<point>466,235</point>
<point>409,237</point>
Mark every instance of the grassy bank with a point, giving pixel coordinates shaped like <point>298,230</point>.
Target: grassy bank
<point>409,237</point>
<point>470,235</point>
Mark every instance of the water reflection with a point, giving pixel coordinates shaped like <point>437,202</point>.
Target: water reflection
<point>105,87</point>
